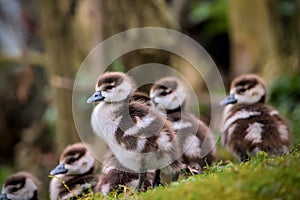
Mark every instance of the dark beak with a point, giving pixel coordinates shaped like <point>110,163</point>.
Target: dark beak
<point>59,169</point>
<point>3,197</point>
<point>228,100</point>
<point>97,96</point>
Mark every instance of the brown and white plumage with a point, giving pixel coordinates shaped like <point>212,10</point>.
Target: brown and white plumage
<point>137,135</point>
<point>20,186</point>
<point>77,170</point>
<point>141,97</point>
<point>115,176</point>
<point>250,125</point>
<point>169,95</point>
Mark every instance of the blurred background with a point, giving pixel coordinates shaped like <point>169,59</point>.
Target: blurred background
<point>44,42</point>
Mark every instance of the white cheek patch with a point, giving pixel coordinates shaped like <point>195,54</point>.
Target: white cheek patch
<point>242,98</point>
<point>254,133</point>
<point>105,94</point>
<point>252,95</point>
<point>118,93</point>
<point>83,165</point>
<point>87,163</point>
<point>258,91</point>
<point>169,101</point>
<point>177,98</point>
<point>174,101</point>
<point>166,102</point>
<point>122,91</point>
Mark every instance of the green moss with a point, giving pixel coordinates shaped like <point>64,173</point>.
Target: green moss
<point>263,177</point>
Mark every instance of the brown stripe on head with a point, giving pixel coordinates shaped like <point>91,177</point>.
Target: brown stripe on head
<point>15,180</point>
<point>110,78</point>
<point>76,149</point>
<point>20,178</point>
<point>165,83</point>
<point>249,81</point>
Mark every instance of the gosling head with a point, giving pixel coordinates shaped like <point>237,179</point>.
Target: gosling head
<point>168,94</point>
<point>20,186</point>
<point>246,89</point>
<point>112,87</point>
<point>75,160</point>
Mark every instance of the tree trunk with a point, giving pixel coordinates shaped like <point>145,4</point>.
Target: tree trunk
<point>56,20</point>
<point>252,37</point>
<point>119,16</point>
<point>257,40</point>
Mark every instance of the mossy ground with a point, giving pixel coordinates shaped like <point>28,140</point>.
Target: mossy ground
<point>263,177</point>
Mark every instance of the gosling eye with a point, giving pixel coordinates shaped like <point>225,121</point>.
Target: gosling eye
<point>241,90</point>
<point>71,160</point>
<point>109,87</point>
<point>165,92</point>
<point>14,189</point>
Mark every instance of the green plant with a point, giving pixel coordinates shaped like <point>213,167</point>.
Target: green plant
<point>215,13</point>
<point>263,177</point>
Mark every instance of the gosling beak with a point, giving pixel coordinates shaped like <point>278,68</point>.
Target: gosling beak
<point>230,99</point>
<point>59,169</point>
<point>97,96</point>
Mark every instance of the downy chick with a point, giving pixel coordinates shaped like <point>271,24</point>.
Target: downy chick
<point>20,186</point>
<point>77,170</point>
<point>114,176</point>
<point>137,135</point>
<point>169,95</point>
<point>250,125</point>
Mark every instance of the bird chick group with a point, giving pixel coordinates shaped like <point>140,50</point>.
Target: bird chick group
<point>148,135</point>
